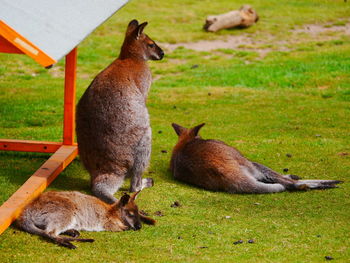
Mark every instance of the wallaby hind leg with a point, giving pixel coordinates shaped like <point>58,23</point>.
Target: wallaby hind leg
<point>51,234</point>
<point>141,160</point>
<point>271,173</point>
<point>65,241</point>
<point>253,186</point>
<point>262,188</point>
<point>105,185</point>
<point>60,241</point>
<point>269,176</point>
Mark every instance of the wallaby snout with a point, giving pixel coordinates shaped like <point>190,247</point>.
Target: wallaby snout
<point>158,53</point>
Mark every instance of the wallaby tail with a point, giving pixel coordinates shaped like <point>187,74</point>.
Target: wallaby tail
<point>30,227</point>
<point>316,184</point>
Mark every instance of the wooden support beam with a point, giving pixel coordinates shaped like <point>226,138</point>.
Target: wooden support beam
<point>64,153</point>
<point>25,45</point>
<point>29,146</point>
<point>7,47</point>
<point>69,98</point>
<point>36,184</point>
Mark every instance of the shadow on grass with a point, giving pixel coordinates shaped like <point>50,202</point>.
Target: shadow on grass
<point>17,167</point>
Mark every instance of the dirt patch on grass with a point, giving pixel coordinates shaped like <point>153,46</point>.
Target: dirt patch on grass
<point>314,29</point>
<point>242,42</point>
<point>247,42</point>
<point>231,42</point>
<point>56,72</point>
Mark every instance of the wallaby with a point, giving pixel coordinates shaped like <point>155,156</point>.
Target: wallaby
<point>55,213</point>
<point>112,121</point>
<point>213,165</point>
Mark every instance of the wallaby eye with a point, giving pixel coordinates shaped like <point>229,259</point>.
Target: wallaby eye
<point>151,45</point>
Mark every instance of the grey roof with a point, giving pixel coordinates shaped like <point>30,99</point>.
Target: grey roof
<point>57,26</point>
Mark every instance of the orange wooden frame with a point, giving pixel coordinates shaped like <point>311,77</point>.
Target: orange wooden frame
<point>63,152</point>
<point>18,42</point>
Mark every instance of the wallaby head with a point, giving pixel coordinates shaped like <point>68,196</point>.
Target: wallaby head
<point>138,45</point>
<point>130,213</point>
<point>185,134</point>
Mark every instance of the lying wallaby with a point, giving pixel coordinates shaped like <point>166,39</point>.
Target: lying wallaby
<point>213,165</point>
<point>55,213</point>
<point>112,121</point>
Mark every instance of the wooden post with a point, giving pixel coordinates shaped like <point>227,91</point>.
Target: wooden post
<point>244,17</point>
<point>62,157</point>
<point>69,98</point>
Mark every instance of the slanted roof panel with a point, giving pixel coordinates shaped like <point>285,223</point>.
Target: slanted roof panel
<point>56,27</point>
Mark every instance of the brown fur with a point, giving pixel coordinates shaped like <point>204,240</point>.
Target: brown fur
<point>54,214</point>
<point>112,121</point>
<point>213,165</point>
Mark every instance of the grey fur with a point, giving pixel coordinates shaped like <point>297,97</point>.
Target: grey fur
<point>112,120</point>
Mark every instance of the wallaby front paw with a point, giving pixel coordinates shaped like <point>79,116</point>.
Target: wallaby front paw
<point>147,182</point>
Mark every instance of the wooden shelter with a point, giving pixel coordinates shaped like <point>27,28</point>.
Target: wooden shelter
<point>48,30</point>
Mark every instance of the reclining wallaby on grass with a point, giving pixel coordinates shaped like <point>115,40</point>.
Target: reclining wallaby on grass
<point>55,213</point>
<point>213,165</point>
<point>112,121</point>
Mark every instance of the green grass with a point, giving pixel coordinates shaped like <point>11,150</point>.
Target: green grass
<point>295,102</point>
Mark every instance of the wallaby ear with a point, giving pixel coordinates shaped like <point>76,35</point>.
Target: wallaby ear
<point>196,129</point>
<point>124,200</point>
<point>140,29</point>
<point>178,129</point>
<point>132,27</point>
<point>147,220</point>
<point>134,196</point>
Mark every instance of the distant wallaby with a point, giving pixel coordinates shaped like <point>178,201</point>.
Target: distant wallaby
<point>213,165</point>
<point>112,121</point>
<point>55,213</point>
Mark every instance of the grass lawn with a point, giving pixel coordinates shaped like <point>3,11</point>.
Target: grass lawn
<point>283,100</point>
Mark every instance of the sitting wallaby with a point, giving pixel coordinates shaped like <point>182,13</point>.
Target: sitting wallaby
<point>213,165</point>
<point>55,213</point>
<point>112,121</point>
